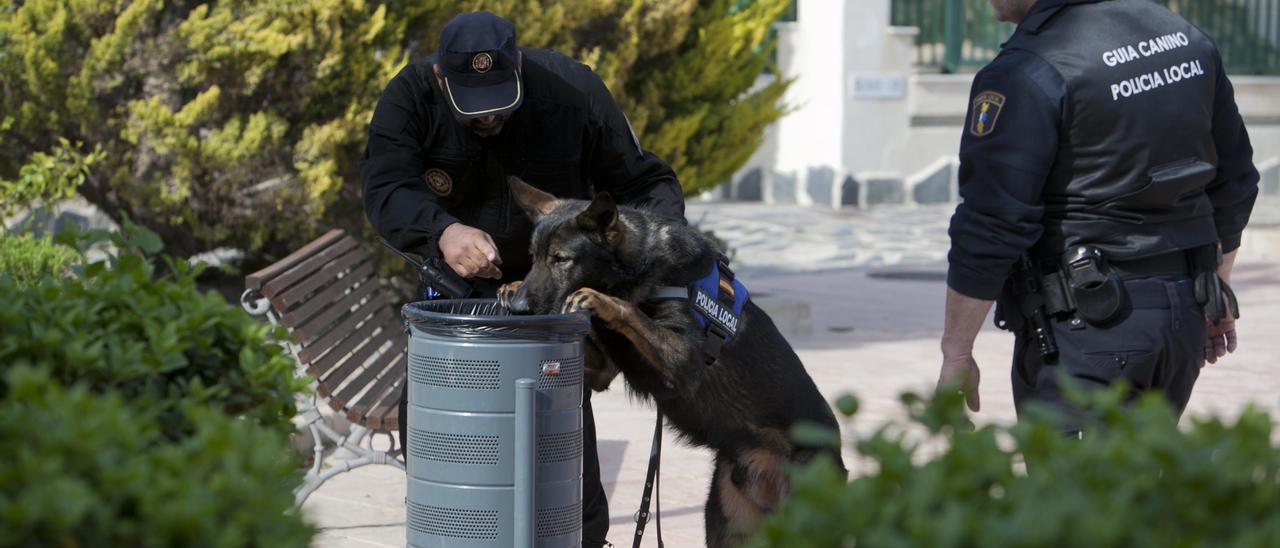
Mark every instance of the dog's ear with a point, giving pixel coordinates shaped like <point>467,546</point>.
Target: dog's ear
<point>600,217</point>
<point>534,202</point>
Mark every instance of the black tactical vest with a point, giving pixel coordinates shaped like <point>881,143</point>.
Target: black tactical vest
<point>1135,151</point>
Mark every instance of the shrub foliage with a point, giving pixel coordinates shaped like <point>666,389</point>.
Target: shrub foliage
<point>156,341</point>
<point>1135,480</point>
<point>136,410</point>
<point>239,122</point>
<point>29,259</point>
<point>83,468</point>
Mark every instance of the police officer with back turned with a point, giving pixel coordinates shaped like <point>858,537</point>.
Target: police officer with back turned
<point>452,126</point>
<point>1107,177</point>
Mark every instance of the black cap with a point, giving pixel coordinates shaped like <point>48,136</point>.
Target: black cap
<point>478,57</point>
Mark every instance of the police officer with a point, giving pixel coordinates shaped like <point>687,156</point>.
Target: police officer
<point>1103,142</point>
<point>450,127</point>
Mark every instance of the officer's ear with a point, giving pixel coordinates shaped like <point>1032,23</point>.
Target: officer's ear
<point>533,201</point>
<point>439,74</point>
<point>601,217</point>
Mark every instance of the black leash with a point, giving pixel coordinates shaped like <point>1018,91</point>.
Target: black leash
<point>652,491</point>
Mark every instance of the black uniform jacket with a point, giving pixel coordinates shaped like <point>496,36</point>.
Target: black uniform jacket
<point>422,170</point>
<point>1102,122</point>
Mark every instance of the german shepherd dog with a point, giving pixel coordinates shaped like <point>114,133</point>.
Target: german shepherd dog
<point>607,260</point>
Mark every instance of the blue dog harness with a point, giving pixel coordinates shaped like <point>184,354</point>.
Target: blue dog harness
<point>717,300</point>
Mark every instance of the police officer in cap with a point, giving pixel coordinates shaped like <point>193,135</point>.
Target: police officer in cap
<point>451,127</point>
<point>1107,177</point>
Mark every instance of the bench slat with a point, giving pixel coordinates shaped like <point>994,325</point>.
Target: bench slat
<point>332,296</point>
<point>386,418</point>
<point>379,393</point>
<point>254,281</point>
<point>376,418</point>
<point>350,393</point>
<point>308,267</point>
<point>334,379</point>
<point>358,345</point>
<point>344,320</point>
<point>301,292</point>
<point>317,347</point>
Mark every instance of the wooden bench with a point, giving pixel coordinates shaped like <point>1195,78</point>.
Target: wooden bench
<point>345,334</point>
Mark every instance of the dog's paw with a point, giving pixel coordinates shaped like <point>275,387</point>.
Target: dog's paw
<point>508,292</point>
<point>592,302</point>
<point>583,300</point>
<point>609,309</point>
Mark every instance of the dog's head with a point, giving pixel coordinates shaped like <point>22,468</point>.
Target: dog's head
<point>574,245</point>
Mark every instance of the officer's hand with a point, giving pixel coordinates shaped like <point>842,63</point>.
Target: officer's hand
<point>961,371</point>
<point>470,252</point>
<point>1222,339</point>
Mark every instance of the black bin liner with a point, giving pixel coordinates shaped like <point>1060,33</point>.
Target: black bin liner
<point>487,319</point>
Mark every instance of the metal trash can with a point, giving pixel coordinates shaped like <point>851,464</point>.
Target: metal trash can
<point>495,426</point>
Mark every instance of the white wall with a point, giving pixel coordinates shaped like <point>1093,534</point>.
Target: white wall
<point>833,132</point>
<point>811,136</point>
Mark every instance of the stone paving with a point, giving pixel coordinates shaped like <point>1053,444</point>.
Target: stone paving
<point>775,239</point>
<point>859,294</point>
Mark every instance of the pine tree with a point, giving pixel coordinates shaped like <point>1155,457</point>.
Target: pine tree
<point>231,123</point>
<point>239,122</point>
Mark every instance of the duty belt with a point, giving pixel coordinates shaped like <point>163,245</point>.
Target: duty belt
<point>1168,264</point>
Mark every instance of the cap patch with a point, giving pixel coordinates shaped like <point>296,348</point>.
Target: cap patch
<point>986,110</point>
<point>482,62</point>
<point>438,181</point>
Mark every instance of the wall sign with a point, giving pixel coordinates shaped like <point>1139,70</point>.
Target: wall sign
<point>878,86</point>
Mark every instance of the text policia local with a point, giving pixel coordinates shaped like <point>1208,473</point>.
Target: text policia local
<point>1151,80</point>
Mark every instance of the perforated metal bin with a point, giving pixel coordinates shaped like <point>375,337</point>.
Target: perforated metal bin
<point>492,464</point>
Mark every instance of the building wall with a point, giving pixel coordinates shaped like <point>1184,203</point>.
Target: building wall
<point>866,129</point>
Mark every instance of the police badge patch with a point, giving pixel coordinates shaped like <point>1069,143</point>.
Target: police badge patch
<point>438,181</point>
<point>986,110</point>
<point>482,62</point>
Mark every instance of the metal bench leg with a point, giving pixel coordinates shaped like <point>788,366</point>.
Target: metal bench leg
<point>356,437</point>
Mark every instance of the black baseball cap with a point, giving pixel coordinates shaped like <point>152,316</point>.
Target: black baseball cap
<point>478,57</point>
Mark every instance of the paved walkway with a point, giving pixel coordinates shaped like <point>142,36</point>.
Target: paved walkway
<point>859,295</point>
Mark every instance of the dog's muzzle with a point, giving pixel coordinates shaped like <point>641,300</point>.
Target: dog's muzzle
<point>520,301</point>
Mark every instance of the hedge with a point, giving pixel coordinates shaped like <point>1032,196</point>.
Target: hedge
<point>1135,479</point>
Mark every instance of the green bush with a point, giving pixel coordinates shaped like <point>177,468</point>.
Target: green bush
<point>1135,480</point>
<point>157,341</point>
<point>216,123</point>
<point>88,469</point>
<point>28,259</point>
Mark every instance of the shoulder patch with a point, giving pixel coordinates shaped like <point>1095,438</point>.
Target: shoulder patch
<point>439,181</point>
<point>986,110</point>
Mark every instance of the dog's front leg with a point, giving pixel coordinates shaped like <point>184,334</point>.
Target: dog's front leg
<point>658,346</point>
<point>600,370</point>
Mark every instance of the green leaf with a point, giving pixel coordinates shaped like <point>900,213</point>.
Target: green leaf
<point>815,435</point>
<point>847,404</point>
<point>149,242</point>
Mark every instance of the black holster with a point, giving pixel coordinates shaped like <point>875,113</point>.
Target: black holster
<point>1212,292</point>
<point>1020,308</point>
<point>1092,290</point>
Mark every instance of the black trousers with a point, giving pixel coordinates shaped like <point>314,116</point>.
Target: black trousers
<point>1156,343</point>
